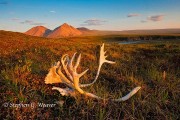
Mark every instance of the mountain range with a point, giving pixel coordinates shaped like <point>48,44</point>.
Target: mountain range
<point>66,30</point>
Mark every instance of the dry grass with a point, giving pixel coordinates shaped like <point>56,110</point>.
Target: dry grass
<point>25,61</point>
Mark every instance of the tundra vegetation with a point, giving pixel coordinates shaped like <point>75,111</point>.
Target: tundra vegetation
<point>155,66</point>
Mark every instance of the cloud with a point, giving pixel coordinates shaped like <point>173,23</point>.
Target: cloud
<point>30,22</point>
<point>144,21</point>
<point>133,15</point>
<point>27,22</point>
<point>37,23</point>
<point>52,11</point>
<point>3,3</point>
<point>155,18</point>
<point>93,22</point>
<point>15,19</point>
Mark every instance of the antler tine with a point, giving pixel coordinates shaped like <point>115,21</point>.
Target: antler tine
<point>129,95</point>
<point>73,70</point>
<point>64,79</point>
<point>71,61</point>
<point>57,64</point>
<point>81,74</point>
<point>76,65</point>
<point>67,60</point>
<point>63,60</point>
<point>103,57</point>
<point>77,62</point>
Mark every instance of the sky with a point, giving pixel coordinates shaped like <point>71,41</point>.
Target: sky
<point>117,15</point>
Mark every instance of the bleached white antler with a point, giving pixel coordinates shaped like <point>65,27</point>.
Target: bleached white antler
<point>102,60</point>
<point>64,62</point>
<point>56,75</point>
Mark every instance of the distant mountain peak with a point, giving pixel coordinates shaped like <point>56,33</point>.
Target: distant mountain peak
<point>64,30</point>
<point>65,24</point>
<point>40,31</point>
<point>41,26</point>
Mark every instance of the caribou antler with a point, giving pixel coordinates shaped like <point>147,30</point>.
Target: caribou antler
<point>102,60</point>
<point>56,75</point>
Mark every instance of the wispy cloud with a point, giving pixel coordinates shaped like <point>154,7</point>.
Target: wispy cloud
<point>3,3</point>
<point>30,22</point>
<point>133,15</point>
<point>156,18</point>
<point>15,19</point>
<point>37,23</point>
<point>144,21</point>
<point>52,11</point>
<point>27,22</point>
<point>93,22</point>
